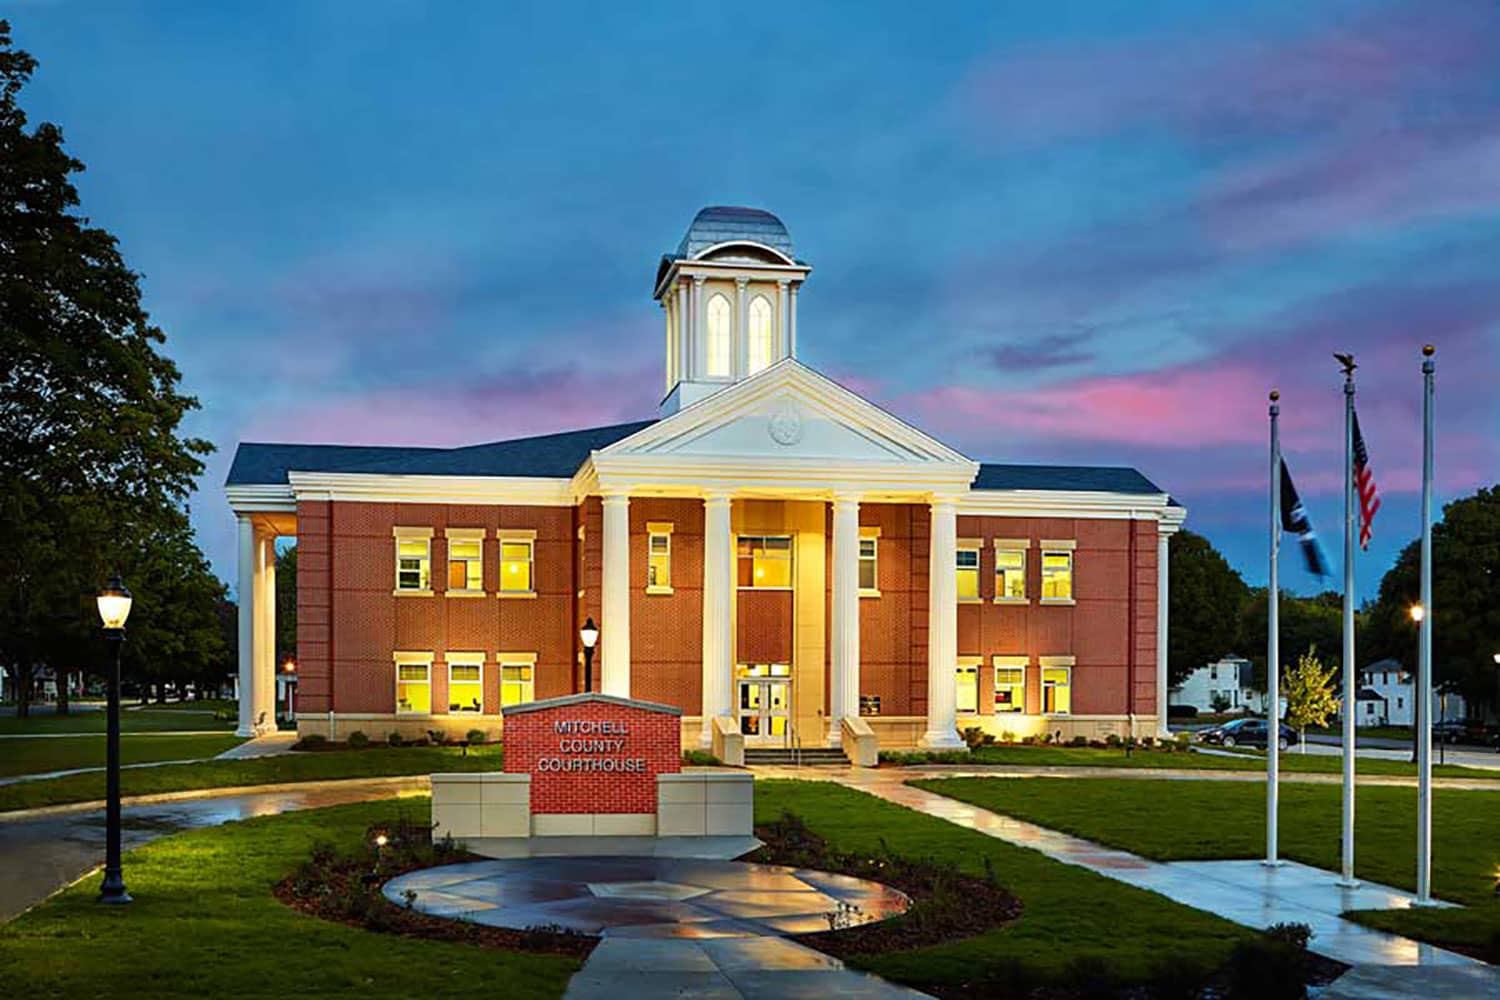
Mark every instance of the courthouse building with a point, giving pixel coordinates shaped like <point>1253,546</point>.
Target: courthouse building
<point>771,552</point>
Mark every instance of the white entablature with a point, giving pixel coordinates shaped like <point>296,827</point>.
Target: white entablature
<point>784,431</point>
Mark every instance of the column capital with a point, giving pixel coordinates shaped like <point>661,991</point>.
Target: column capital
<point>741,283</point>
<point>846,499</point>
<point>937,500</point>
<point>783,282</point>
<point>717,499</point>
<point>612,497</point>
<point>698,280</point>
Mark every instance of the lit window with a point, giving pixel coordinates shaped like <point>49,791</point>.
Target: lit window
<point>515,565</point>
<point>719,365</point>
<point>413,686</point>
<point>762,344</point>
<point>1057,576</point>
<point>968,573</point>
<point>413,561</point>
<point>868,577</point>
<point>1010,574</point>
<point>465,683</point>
<point>1010,686</point>
<point>659,558</point>
<point>465,564</point>
<point>765,561</point>
<point>516,683</point>
<point>1057,690</point>
<point>967,688</point>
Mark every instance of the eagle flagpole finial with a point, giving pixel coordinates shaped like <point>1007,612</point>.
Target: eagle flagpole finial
<point>1347,361</point>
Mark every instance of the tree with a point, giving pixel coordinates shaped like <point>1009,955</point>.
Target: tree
<point>1304,622</point>
<point>1310,697</point>
<point>286,602</point>
<point>91,460</point>
<point>1204,605</point>
<point>1465,597</point>
<point>1220,702</point>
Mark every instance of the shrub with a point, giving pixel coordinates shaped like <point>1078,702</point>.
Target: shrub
<point>312,741</point>
<point>417,741</point>
<point>1096,744</point>
<point>1092,977</point>
<point>1078,741</point>
<point>475,737</point>
<point>700,758</point>
<point>1007,736</point>
<point>1272,966</point>
<point>358,740</point>
<point>437,737</point>
<point>395,740</point>
<point>976,737</point>
<point>1182,711</point>
<point>1148,742</point>
<point>1113,741</point>
<point>1175,977</point>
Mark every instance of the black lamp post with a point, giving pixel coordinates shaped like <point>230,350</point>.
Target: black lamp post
<point>114,608</point>
<point>589,634</point>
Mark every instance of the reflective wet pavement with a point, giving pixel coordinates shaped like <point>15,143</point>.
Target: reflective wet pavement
<point>671,926</point>
<point>43,850</point>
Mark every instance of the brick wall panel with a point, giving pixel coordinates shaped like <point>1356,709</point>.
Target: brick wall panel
<point>652,737</point>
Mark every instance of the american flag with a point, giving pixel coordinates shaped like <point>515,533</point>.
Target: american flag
<point>1364,485</point>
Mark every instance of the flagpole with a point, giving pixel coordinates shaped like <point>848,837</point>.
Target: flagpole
<point>1273,642</point>
<point>1424,649</point>
<point>1351,672</point>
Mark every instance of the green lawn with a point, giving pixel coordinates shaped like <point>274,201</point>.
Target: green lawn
<point>204,924</point>
<point>156,719</point>
<point>33,756</point>
<point>1221,820</point>
<point>1377,732</point>
<point>1070,913</point>
<point>1243,760</point>
<point>324,765</point>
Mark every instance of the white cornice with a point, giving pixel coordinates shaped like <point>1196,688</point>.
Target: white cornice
<point>523,491</point>
<point>251,498</point>
<point>1072,503</point>
<point>729,269</point>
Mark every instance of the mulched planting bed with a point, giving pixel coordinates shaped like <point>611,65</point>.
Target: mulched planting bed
<point>947,904</point>
<point>346,890</point>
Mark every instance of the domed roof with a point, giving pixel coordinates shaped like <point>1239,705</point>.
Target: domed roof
<point>727,224</point>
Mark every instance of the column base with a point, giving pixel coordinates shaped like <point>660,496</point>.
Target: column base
<point>835,733</point>
<point>246,731</point>
<point>939,739</point>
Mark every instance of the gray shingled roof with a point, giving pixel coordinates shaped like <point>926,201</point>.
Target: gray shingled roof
<point>558,456</point>
<point>726,223</point>
<point>1107,479</point>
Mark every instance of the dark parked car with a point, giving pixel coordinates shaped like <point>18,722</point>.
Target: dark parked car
<point>1246,733</point>
<point>1470,731</point>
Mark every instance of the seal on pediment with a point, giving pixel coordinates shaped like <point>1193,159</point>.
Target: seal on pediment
<point>785,425</point>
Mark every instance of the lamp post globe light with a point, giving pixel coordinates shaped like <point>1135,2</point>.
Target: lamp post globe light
<point>589,635</point>
<point>114,607</point>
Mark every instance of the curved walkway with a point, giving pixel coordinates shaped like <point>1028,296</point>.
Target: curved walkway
<point>44,850</point>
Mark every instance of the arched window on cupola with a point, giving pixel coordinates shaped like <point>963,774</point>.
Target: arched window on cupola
<point>762,337</point>
<point>718,352</point>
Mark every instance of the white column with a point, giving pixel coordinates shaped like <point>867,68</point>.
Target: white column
<point>614,610</point>
<point>700,360</point>
<point>791,330</point>
<point>718,613</point>
<point>1162,593</point>
<point>783,326</point>
<point>247,596</point>
<point>684,334</point>
<point>942,629</point>
<point>843,686</point>
<point>741,338</point>
<point>265,695</point>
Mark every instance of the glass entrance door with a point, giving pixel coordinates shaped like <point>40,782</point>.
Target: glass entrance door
<point>765,701</point>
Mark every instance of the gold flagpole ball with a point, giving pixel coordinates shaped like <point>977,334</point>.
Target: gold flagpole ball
<point>1275,395</point>
<point>1428,350</point>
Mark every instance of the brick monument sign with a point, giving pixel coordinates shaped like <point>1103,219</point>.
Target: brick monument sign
<point>591,765</point>
<point>592,753</point>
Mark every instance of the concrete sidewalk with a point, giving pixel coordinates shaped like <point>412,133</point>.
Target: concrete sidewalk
<point>269,745</point>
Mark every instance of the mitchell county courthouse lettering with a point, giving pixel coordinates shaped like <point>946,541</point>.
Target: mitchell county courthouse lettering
<point>773,555</point>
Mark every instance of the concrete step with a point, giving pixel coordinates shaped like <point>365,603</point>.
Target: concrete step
<point>811,756</point>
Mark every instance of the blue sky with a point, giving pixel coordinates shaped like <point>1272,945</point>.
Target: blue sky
<point>1110,228</point>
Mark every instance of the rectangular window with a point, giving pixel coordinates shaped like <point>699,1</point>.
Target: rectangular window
<point>869,578</point>
<point>1010,574</point>
<point>515,565</point>
<point>413,562</point>
<point>1057,690</point>
<point>658,558</point>
<point>765,561</point>
<point>1010,684</point>
<point>466,564</point>
<point>516,683</point>
<point>1057,576</point>
<point>968,688</point>
<point>465,683</point>
<point>413,685</point>
<point>869,704</point>
<point>968,573</point>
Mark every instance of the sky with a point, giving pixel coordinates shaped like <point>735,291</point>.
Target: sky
<point>1092,233</point>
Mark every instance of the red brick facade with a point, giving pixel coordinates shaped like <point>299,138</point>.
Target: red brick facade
<point>350,623</point>
<point>534,746</point>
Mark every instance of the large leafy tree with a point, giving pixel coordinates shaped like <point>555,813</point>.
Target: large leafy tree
<point>1207,596</point>
<point>1304,623</point>
<point>93,467</point>
<point>1465,598</point>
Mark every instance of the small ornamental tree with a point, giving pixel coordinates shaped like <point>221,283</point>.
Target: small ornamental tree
<point>1310,697</point>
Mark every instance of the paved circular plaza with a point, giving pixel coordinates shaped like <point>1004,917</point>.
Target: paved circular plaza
<point>647,897</point>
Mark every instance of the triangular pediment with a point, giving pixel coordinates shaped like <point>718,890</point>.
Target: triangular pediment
<point>787,413</point>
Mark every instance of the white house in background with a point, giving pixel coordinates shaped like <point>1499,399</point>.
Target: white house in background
<point>1229,679</point>
<point>1387,697</point>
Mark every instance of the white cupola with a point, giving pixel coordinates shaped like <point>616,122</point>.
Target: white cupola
<point>730,298</point>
